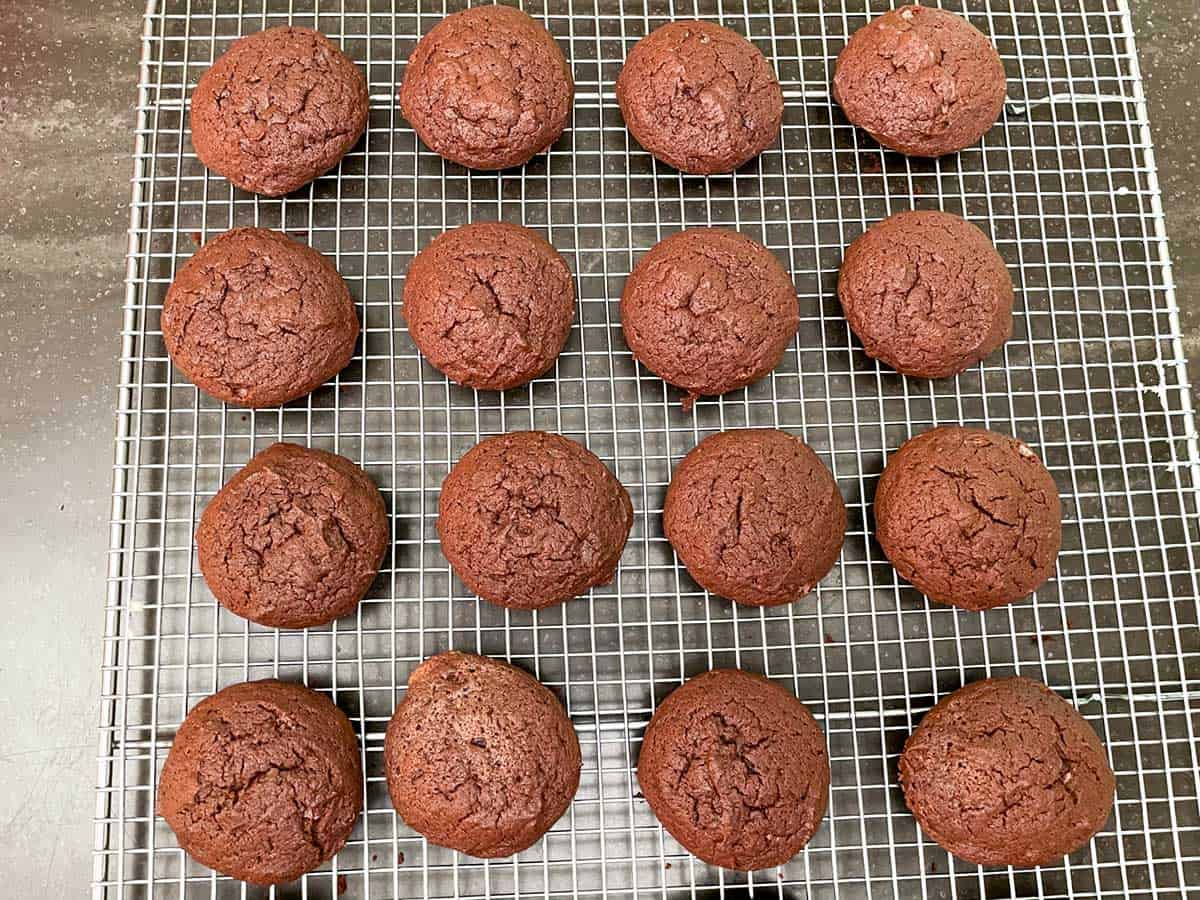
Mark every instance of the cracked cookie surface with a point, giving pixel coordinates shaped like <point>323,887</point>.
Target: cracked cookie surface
<point>294,539</point>
<point>529,519</point>
<point>489,304</point>
<point>736,769</point>
<point>1004,772</point>
<point>278,109</point>
<point>926,293</point>
<point>256,319</point>
<point>920,80</point>
<point>755,516</point>
<point>487,88</point>
<point>709,310</point>
<point>479,756</point>
<point>970,517</point>
<point>262,782</point>
<point>700,97</point>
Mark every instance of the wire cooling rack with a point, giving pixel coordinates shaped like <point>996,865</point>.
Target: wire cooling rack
<point>1093,378</point>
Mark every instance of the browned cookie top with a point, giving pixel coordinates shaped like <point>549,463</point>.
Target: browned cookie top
<point>256,319</point>
<point>920,80</point>
<point>294,539</point>
<point>263,781</point>
<point>927,293</point>
<point>1004,772</point>
<point>700,97</point>
<point>489,304</point>
<point>970,517</point>
<point>529,519</point>
<point>277,109</point>
<point>487,88</point>
<point>479,756</point>
<point>709,310</point>
<point>755,516</point>
<point>736,770</point>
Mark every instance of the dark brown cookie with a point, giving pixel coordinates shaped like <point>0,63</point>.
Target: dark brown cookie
<point>278,109</point>
<point>926,293</point>
<point>700,97</point>
<point>755,516</point>
<point>489,304</point>
<point>736,770</point>
<point>970,517</point>
<point>294,539</point>
<point>529,519</point>
<point>921,80</point>
<point>256,319</point>
<point>479,756</point>
<point>1004,772</point>
<point>487,88</point>
<point>263,781</point>
<point>709,310</point>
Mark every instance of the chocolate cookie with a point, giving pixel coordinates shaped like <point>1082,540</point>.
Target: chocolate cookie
<point>1004,772</point>
<point>709,310</point>
<point>700,97</point>
<point>926,293</point>
<point>294,539</point>
<point>479,756</point>
<point>736,770</point>
<point>755,516</point>
<point>489,304</point>
<point>256,319</point>
<point>969,516</point>
<point>529,519</point>
<point>263,781</point>
<point>278,108</point>
<point>487,88</point>
<point>920,80</point>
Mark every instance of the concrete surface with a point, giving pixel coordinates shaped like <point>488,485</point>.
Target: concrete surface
<point>67,92</point>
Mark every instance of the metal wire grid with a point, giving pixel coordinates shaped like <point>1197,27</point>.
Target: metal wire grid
<point>1093,378</point>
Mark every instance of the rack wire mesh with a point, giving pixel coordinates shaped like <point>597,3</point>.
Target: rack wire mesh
<point>1093,378</point>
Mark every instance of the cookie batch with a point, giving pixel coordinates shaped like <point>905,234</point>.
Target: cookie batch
<point>263,781</point>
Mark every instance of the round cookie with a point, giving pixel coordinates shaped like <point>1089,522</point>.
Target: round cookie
<point>926,293</point>
<point>294,539</point>
<point>487,88</point>
<point>479,756</point>
<point>489,304</point>
<point>736,769</point>
<point>278,109</point>
<point>263,781</point>
<point>709,310</point>
<point>755,516</point>
<point>920,80</point>
<point>256,319</point>
<point>970,517</point>
<point>529,519</point>
<point>700,97</point>
<point>1004,772</point>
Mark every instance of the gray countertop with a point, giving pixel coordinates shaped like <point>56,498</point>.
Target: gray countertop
<point>67,89</point>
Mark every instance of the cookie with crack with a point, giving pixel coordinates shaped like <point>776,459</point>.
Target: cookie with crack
<point>487,88</point>
<point>1004,772</point>
<point>489,304</point>
<point>755,516</point>
<point>700,97</point>
<point>480,757</point>
<point>278,109</point>
<point>926,293</point>
<point>920,80</point>
<point>530,519</point>
<point>970,517</point>
<point>256,319</point>
<point>736,769</point>
<point>263,781</point>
